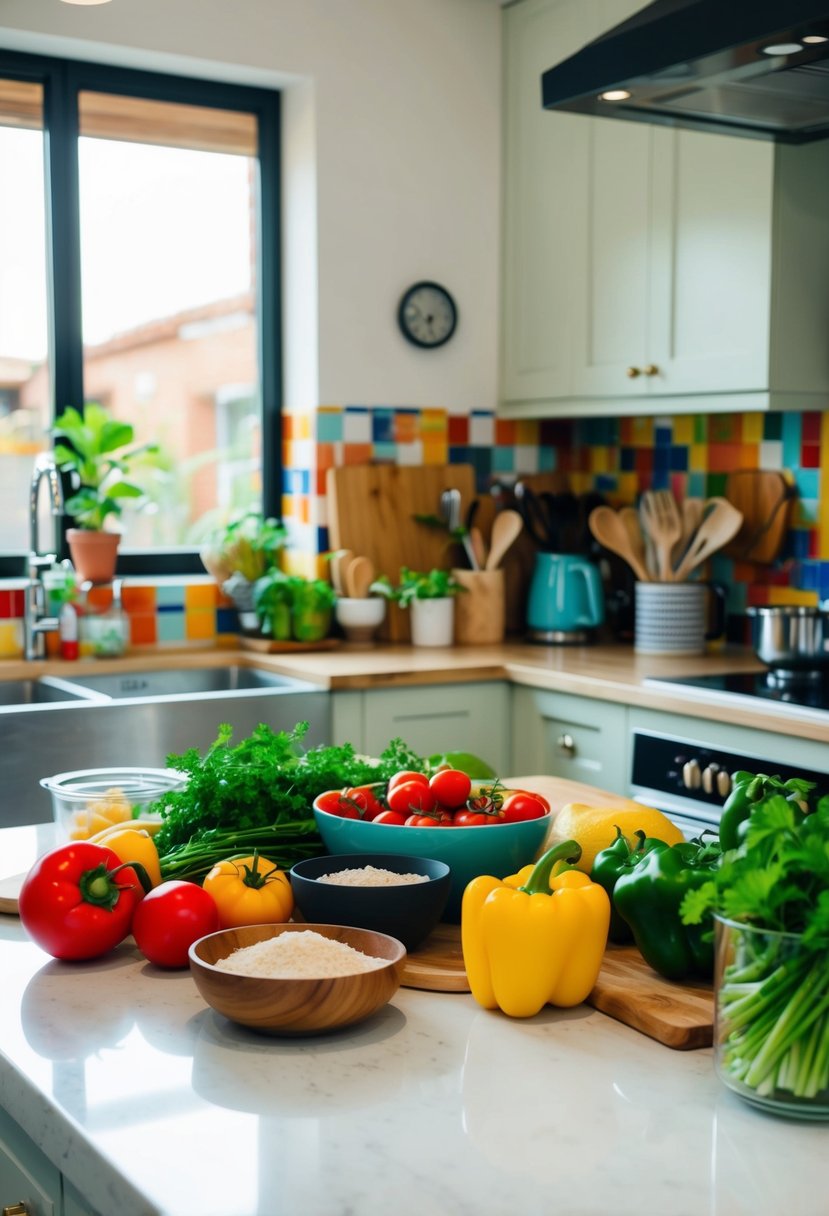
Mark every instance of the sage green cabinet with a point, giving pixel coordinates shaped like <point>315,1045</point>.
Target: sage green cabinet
<point>561,735</point>
<point>27,1177</point>
<point>469,717</point>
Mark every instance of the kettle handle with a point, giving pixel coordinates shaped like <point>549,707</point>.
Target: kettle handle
<point>595,594</point>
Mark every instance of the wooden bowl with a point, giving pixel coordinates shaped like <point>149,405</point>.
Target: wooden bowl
<point>296,1006</point>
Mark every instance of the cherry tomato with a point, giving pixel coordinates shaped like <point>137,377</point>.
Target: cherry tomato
<point>392,817</point>
<point>365,798</point>
<point>74,904</point>
<point>438,818</point>
<point>172,917</point>
<point>466,818</point>
<point>522,805</point>
<point>411,796</point>
<point>330,802</point>
<point>451,787</point>
<point>407,775</point>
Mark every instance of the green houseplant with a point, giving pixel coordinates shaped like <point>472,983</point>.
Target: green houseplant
<point>293,608</point>
<point>240,552</point>
<point>430,595</point>
<point>100,454</point>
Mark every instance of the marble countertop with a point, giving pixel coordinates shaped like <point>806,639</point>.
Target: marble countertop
<point>153,1104</point>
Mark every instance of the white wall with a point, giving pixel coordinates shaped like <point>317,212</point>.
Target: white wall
<point>392,134</point>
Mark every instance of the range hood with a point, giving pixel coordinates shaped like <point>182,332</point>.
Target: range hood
<point>758,68</point>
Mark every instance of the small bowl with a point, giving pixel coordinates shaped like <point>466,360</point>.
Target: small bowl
<point>360,618</point>
<point>407,911</point>
<point>87,800</point>
<point>296,1006</point>
<point>498,848</point>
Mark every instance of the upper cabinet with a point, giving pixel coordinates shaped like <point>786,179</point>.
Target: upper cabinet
<point>647,269</point>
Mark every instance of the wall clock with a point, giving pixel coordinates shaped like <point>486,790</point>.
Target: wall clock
<point>427,314</point>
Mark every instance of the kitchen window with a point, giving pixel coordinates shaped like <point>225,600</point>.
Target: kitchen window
<point>139,247</point>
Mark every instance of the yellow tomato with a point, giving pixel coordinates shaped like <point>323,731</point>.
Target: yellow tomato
<point>594,827</point>
<point>250,891</point>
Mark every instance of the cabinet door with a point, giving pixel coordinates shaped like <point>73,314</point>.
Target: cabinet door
<point>26,1176</point>
<point>73,1202</point>
<point>710,264</point>
<point>579,738</point>
<point>441,718</point>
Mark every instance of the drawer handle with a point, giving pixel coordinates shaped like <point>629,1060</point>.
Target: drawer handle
<point>633,372</point>
<point>567,745</point>
<point>650,369</point>
<point>16,1209</point>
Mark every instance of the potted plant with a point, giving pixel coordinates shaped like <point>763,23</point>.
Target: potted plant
<point>99,455</point>
<point>239,553</point>
<point>430,595</point>
<point>293,608</point>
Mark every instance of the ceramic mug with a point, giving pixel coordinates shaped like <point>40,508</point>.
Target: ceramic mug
<point>565,594</point>
<point>672,618</point>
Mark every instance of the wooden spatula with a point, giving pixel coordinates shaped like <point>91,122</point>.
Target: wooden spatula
<point>358,575</point>
<point>721,523</point>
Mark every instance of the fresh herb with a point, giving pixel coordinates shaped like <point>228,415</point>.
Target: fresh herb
<point>289,605</point>
<point>414,585</point>
<point>258,794</point>
<point>774,991</point>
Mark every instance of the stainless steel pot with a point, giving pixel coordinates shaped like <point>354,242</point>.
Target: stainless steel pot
<point>790,637</point>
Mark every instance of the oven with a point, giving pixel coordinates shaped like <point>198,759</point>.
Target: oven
<point>689,782</point>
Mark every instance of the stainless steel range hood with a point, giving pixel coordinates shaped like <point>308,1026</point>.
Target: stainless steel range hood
<point>758,68</point>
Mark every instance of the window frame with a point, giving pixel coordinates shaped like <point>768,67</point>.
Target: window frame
<point>62,81</point>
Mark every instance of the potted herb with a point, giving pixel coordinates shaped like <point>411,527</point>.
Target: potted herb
<point>430,596</point>
<point>770,902</point>
<point>246,548</point>
<point>289,607</point>
<point>99,454</point>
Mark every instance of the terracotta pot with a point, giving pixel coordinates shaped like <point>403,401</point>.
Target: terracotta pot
<point>94,554</point>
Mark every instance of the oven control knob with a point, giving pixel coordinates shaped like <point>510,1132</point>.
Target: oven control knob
<point>723,783</point>
<point>691,775</point>
<point>709,777</point>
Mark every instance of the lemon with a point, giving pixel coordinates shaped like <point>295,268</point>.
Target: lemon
<point>594,827</point>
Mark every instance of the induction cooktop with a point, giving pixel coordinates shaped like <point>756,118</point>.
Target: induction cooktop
<point>807,695</point>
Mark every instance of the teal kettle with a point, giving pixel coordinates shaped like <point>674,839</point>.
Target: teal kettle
<point>566,599</point>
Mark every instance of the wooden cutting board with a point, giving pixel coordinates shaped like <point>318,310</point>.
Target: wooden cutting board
<point>371,510</point>
<point>9,891</point>
<point>679,1015</point>
<point>765,498</point>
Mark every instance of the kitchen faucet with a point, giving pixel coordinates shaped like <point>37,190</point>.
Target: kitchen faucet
<point>35,624</point>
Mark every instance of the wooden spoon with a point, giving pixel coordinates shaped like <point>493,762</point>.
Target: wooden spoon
<point>359,575</point>
<point>610,531</point>
<point>719,526</point>
<point>478,544</point>
<point>506,528</point>
<point>338,563</point>
<point>630,518</point>
<point>660,519</point>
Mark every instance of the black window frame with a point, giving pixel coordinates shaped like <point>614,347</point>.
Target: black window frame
<point>62,81</point>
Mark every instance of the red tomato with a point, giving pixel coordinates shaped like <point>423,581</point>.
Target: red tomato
<point>411,796</point>
<point>330,802</point>
<point>437,818</point>
<point>466,818</point>
<point>451,787</point>
<point>523,805</point>
<point>390,817</point>
<point>78,900</point>
<point>406,774</point>
<point>173,916</point>
<point>365,798</point>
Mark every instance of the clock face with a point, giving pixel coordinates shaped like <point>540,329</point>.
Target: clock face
<point>427,314</point>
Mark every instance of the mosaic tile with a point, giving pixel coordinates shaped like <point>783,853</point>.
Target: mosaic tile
<point>770,455</point>
<point>170,627</point>
<point>329,425</point>
<point>382,426</point>
<point>357,424</point>
<point>481,429</point>
<point>791,440</point>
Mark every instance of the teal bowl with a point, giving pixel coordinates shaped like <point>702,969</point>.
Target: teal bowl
<point>497,848</point>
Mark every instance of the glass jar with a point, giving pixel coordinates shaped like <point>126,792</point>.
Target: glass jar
<point>771,1031</point>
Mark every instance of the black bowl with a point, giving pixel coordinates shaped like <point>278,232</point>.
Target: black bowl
<point>407,911</point>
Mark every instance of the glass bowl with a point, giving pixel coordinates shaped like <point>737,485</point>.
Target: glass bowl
<point>86,801</point>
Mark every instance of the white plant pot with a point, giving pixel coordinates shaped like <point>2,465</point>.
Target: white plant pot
<point>433,621</point>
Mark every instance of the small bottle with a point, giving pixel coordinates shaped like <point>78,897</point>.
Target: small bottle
<point>68,630</point>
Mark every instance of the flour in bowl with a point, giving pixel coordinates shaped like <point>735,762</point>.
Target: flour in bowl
<point>371,876</point>
<point>302,955</point>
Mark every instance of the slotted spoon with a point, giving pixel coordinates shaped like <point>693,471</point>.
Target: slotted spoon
<point>719,526</point>
<point>662,522</point>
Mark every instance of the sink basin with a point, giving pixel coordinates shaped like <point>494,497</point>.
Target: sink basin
<point>35,692</point>
<point>181,682</point>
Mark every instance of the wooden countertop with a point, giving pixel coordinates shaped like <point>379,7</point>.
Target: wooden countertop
<point>607,672</point>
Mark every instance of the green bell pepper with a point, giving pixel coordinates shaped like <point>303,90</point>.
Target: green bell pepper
<point>608,867</point>
<point>648,897</point>
<point>747,791</point>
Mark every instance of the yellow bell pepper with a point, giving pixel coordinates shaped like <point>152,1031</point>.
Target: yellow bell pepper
<point>250,891</point>
<point>136,846</point>
<point>535,938</point>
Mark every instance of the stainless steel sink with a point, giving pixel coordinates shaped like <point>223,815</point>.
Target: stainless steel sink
<point>186,681</point>
<point>50,725</point>
<point>35,692</point>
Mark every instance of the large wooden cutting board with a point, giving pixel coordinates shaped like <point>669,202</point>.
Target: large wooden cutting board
<point>765,498</point>
<point>371,510</point>
<point>679,1015</point>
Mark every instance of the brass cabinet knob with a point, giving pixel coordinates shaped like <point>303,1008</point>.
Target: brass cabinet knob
<point>567,745</point>
<point>633,372</point>
<point>16,1209</point>
<point>650,369</point>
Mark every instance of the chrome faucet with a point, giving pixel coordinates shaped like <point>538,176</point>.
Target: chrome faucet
<point>35,624</point>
